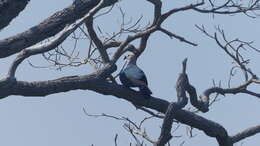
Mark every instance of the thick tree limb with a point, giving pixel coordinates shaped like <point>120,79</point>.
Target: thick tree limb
<point>157,9</point>
<point>94,82</point>
<point>48,27</point>
<point>246,133</point>
<point>9,86</point>
<point>97,41</point>
<point>174,107</point>
<point>182,87</point>
<point>9,9</point>
<point>50,45</point>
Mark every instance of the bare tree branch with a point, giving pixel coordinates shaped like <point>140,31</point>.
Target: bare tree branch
<point>48,27</point>
<point>97,41</point>
<point>231,7</point>
<point>97,83</point>
<point>10,9</point>
<point>156,26</point>
<point>172,35</point>
<point>246,133</point>
<point>182,82</point>
<point>116,139</point>
<point>231,48</point>
<point>38,49</point>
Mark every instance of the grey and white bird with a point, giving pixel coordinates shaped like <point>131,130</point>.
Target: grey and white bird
<point>133,76</point>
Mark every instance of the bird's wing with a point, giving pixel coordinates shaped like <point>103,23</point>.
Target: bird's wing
<point>137,82</point>
<point>144,79</point>
<point>141,76</point>
<point>134,72</point>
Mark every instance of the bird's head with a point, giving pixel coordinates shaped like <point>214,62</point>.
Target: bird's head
<point>131,58</point>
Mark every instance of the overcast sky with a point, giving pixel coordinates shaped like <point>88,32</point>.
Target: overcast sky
<point>58,120</point>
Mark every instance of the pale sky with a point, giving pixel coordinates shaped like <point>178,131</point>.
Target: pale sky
<point>58,120</point>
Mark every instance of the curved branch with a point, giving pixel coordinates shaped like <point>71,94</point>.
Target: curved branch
<point>48,27</point>
<point>96,82</point>
<point>229,7</point>
<point>246,133</point>
<point>97,41</point>
<point>235,90</point>
<point>156,26</point>
<point>9,9</point>
<point>42,48</point>
<point>64,84</point>
<point>174,107</point>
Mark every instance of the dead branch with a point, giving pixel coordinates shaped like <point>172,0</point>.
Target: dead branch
<point>10,9</point>
<point>48,27</point>
<point>246,133</point>
<point>38,49</point>
<point>165,135</point>
<point>97,41</point>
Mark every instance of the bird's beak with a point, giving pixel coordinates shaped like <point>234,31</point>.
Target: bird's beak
<point>125,57</point>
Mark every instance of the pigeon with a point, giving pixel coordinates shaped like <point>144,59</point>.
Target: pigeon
<point>133,76</point>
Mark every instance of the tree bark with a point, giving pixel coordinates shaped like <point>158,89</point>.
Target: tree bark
<point>9,9</point>
<point>96,82</point>
<point>49,27</point>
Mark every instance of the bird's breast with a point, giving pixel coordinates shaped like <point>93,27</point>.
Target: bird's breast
<point>134,72</point>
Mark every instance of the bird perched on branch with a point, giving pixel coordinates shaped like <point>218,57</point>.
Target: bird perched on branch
<point>133,76</point>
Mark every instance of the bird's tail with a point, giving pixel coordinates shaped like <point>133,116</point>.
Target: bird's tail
<point>146,92</point>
